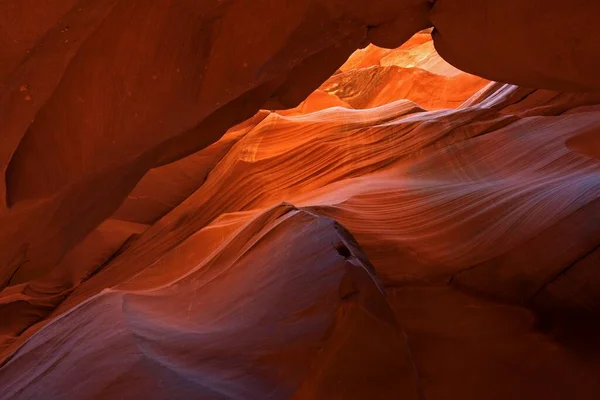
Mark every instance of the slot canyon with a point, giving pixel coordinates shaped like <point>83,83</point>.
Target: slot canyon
<point>300,199</point>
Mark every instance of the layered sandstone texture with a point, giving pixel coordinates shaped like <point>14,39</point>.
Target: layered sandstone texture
<point>258,199</point>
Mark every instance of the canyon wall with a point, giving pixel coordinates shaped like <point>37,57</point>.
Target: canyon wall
<point>387,226</point>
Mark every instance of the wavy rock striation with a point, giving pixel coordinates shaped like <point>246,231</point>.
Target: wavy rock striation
<point>407,230</point>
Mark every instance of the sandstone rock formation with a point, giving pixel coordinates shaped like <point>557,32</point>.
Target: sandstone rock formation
<point>406,230</point>
<point>374,76</point>
<point>534,43</point>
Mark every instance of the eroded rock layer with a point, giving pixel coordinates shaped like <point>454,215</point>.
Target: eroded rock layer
<point>407,230</point>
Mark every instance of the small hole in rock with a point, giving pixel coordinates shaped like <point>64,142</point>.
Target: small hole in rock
<point>342,250</point>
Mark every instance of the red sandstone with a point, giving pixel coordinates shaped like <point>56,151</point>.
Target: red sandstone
<point>253,199</point>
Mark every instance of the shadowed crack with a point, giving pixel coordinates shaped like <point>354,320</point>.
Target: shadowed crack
<point>563,272</point>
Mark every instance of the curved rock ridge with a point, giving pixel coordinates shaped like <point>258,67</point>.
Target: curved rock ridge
<point>163,188</point>
<point>311,322</point>
<point>25,304</point>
